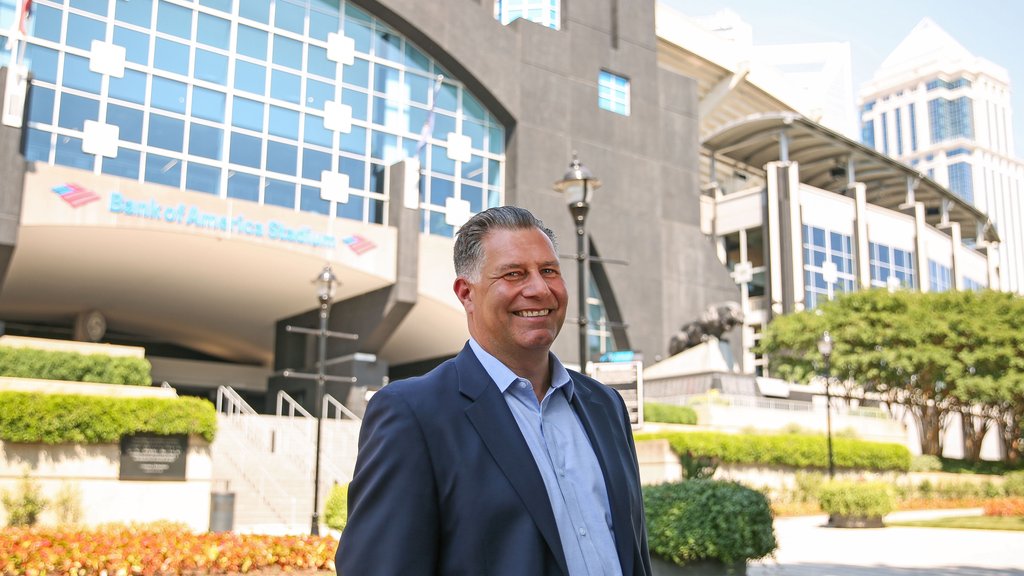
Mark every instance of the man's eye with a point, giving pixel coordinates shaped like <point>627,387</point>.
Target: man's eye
<point>513,274</point>
<point>549,272</point>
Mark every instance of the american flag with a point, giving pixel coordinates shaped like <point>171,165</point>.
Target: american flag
<point>428,126</point>
<point>26,8</point>
<point>75,195</point>
<point>359,244</point>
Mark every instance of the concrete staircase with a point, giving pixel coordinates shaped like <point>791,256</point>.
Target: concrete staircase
<point>267,462</point>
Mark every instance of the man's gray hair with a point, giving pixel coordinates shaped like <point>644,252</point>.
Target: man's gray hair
<point>469,244</point>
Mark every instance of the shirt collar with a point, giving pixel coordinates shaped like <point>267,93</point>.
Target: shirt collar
<point>503,377</point>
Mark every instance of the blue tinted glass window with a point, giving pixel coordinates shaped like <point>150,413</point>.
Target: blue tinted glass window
<point>131,87</point>
<point>258,10</point>
<point>40,105</point>
<point>246,150</point>
<point>475,132</point>
<point>168,94</point>
<point>354,141</point>
<point>95,6</point>
<point>441,190</point>
<point>377,178</point>
<point>135,44</point>
<point>83,30</point>
<point>320,24</point>
<point>443,125</point>
<point>69,153</point>
<point>285,86</point>
<point>75,110</point>
<point>317,62</point>
<point>247,113</point>
<point>475,197</point>
<point>311,201</point>
<point>138,13</point>
<point>357,101</point>
<point>447,97</point>
<point>385,79</point>
<point>355,170</point>
<point>291,17</point>
<point>77,74</point>
<point>496,140</point>
<point>174,20</point>
<point>360,33</point>
<point>314,163</point>
<point>213,31</point>
<point>493,173</point>
<point>416,60</point>
<point>287,52</point>
<point>317,93</point>
<point>279,193</point>
<point>384,146</point>
<point>163,170</point>
<point>387,46</point>
<point>202,178</point>
<point>205,141</point>
<point>474,169</point>
<point>42,62</point>
<point>250,77</point>
<point>438,225</point>
<point>281,158</point>
<point>252,42</point>
<point>222,5</point>
<point>128,121</point>
<point>244,186</point>
<point>472,109</point>
<point>352,209</point>
<point>125,164</point>
<point>211,67</point>
<point>165,132</point>
<point>357,74</point>
<point>284,122</point>
<point>46,23</point>
<point>420,88</point>
<point>208,104</point>
<point>37,146</point>
<point>314,131</point>
<point>171,56</point>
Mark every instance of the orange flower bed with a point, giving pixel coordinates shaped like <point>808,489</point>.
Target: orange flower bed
<point>1005,507</point>
<point>130,551</point>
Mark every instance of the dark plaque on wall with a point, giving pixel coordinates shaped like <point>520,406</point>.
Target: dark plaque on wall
<point>153,457</point>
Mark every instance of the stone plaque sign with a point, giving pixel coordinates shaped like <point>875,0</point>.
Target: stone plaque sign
<point>153,457</point>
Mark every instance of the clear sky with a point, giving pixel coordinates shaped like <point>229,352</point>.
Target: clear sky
<point>992,29</point>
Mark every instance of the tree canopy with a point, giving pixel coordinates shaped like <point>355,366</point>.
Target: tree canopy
<point>939,354</point>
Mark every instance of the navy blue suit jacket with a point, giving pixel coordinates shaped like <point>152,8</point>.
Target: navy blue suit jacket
<point>445,484</point>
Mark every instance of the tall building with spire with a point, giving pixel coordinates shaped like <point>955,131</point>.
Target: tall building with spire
<point>937,107</point>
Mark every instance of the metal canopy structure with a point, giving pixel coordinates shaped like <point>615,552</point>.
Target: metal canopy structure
<point>830,161</point>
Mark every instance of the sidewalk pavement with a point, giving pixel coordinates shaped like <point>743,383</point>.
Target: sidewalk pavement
<point>808,548</point>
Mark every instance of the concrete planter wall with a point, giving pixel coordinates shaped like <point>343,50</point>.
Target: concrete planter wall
<point>661,567</point>
<point>840,521</point>
<point>92,471</point>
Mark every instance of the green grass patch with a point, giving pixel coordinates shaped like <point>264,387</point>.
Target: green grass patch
<point>968,522</point>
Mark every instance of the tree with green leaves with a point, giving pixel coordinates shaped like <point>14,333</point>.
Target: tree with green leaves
<point>939,355</point>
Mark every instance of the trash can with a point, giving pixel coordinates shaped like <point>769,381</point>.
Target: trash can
<point>222,511</point>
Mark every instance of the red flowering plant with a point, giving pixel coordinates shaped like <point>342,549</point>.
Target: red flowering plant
<point>117,550</point>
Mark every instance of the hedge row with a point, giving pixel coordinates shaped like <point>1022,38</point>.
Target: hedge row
<point>797,450</point>
<point>861,499</point>
<point>74,367</point>
<point>669,413</point>
<point>66,418</point>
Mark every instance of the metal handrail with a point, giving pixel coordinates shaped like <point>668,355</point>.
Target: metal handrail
<point>340,409</point>
<point>231,403</point>
<point>293,406</point>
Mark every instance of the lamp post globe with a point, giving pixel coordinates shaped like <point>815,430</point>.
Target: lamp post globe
<point>578,186</point>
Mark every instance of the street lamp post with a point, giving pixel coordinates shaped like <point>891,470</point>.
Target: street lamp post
<point>825,348</point>
<point>578,185</point>
<point>325,284</point>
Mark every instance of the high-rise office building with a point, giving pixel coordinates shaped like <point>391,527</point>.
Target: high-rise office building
<point>937,107</point>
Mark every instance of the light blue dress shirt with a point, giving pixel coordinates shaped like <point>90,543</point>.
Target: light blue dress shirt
<point>567,463</point>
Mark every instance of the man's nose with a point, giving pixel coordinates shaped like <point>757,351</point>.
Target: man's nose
<point>536,285</point>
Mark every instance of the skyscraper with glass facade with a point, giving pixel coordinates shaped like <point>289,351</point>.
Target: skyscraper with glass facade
<point>945,112</point>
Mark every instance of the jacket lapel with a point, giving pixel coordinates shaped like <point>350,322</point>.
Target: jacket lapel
<point>490,415</point>
<point>597,419</point>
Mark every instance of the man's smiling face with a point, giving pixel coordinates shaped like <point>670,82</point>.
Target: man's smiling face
<point>517,305</point>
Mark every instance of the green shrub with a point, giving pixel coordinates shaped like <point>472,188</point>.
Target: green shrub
<point>669,414</point>
<point>708,519</point>
<point>808,484</point>
<point>859,499</point>
<point>336,507</point>
<point>797,450</point>
<point>1013,483</point>
<point>999,467</point>
<point>74,367</point>
<point>925,463</point>
<point>68,418</point>
<point>697,467</point>
<point>25,504</point>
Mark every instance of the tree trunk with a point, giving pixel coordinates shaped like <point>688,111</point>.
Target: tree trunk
<point>929,428</point>
<point>975,427</point>
<point>1012,435</point>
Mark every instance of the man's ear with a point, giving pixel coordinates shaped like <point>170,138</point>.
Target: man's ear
<point>463,292</point>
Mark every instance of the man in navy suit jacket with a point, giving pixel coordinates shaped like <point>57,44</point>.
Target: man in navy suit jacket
<point>499,462</point>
